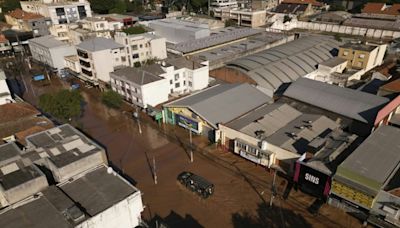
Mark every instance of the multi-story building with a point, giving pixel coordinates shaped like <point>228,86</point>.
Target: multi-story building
<point>141,86</point>
<point>243,17</point>
<point>77,188</point>
<point>220,4</point>
<point>98,57</point>
<point>51,52</point>
<point>60,12</point>
<point>362,56</point>
<point>152,84</point>
<point>142,47</point>
<point>26,22</point>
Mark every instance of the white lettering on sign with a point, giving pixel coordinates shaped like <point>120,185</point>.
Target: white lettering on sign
<point>311,178</point>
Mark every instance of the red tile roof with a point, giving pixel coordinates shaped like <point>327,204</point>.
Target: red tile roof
<point>20,14</point>
<point>3,39</point>
<point>381,8</point>
<point>393,86</point>
<point>16,111</point>
<point>20,136</point>
<point>312,2</point>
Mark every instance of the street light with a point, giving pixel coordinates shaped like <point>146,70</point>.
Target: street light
<point>276,168</point>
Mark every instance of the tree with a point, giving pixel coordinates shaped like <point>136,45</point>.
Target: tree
<point>119,7</point>
<point>9,5</point>
<point>111,99</point>
<point>102,6</point>
<point>63,105</point>
<point>135,30</point>
<point>137,64</point>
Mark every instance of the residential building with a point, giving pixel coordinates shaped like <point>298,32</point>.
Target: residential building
<point>294,9</point>
<point>203,111</point>
<point>64,174</point>
<point>51,52</point>
<point>5,46</point>
<point>176,31</point>
<point>273,69</point>
<point>98,57</point>
<point>62,32</point>
<point>381,8</point>
<point>366,183</point>
<point>141,86</point>
<point>362,56</point>
<point>125,20</point>
<point>243,17</point>
<point>5,94</point>
<point>221,4</point>
<point>274,134</point>
<point>142,47</point>
<point>72,64</point>
<point>356,105</point>
<point>60,12</point>
<point>28,22</point>
<point>153,84</point>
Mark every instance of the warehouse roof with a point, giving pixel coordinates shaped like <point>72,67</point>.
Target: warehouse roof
<point>374,162</point>
<point>48,41</point>
<point>269,118</point>
<point>373,23</point>
<point>140,76</point>
<point>285,63</point>
<point>290,8</point>
<point>99,44</point>
<point>223,36</point>
<point>333,62</point>
<point>350,103</point>
<point>180,24</point>
<point>223,102</point>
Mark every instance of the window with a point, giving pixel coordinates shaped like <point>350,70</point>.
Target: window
<point>135,56</point>
<point>345,53</point>
<point>172,90</point>
<point>176,77</point>
<point>241,145</point>
<point>134,47</point>
<point>184,83</point>
<point>177,85</point>
<point>141,46</point>
<point>33,24</point>
<point>116,59</point>
<point>190,84</point>
<point>170,82</point>
<point>123,58</point>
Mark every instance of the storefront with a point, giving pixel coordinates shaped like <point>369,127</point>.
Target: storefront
<point>312,181</point>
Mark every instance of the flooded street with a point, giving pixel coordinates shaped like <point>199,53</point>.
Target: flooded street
<point>242,189</point>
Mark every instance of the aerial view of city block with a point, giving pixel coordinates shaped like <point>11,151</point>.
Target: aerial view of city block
<point>199,113</point>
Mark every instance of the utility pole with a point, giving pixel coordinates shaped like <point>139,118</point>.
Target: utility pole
<point>273,189</point>
<point>136,115</point>
<point>191,149</point>
<point>154,170</point>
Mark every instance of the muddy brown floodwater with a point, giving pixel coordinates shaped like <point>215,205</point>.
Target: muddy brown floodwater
<point>242,189</point>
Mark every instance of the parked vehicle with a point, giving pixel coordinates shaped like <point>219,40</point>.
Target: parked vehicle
<point>196,184</point>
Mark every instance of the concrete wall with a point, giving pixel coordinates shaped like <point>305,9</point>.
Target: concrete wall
<point>349,30</point>
<point>158,48</point>
<point>4,89</point>
<point>155,93</point>
<point>198,77</point>
<point>58,54</point>
<point>126,213</point>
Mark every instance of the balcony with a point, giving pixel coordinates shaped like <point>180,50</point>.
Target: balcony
<point>82,54</point>
<point>85,64</point>
<point>87,72</point>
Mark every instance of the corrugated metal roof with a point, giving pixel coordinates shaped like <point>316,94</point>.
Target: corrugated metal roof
<point>354,104</point>
<point>295,59</point>
<point>372,164</point>
<point>223,103</point>
<point>99,44</point>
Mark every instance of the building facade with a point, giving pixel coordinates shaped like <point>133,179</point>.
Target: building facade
<point>51,52</point>
<point>141,86</point>
<point>25,21</point>
<point>362,56</point>
<point>59,12</point>
<point>142,47</point>
<point>98,57</point>
<point>5,94</point>
<point>5,46</point>
<point>243,17</point>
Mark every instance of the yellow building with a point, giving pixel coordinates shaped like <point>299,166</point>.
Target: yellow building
<point>362,56</point>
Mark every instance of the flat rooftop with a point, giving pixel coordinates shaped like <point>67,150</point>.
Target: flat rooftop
<point>48,41</point>
<point>333,62</point>
<point>222,36</point>
<point>99,44</point>
<point>62,145</point>
<point>357,46</point>
<point>372,164</point>
<point>69,204</point>
<point>180,24</point>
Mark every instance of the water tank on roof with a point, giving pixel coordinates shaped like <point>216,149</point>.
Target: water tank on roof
<point>264,145</point>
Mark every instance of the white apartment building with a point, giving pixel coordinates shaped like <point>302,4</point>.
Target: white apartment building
<point>5,94</point>
<point>60,12</point>
<point>98,57</point>
<point>153,84</point>
<point>141,86</point>
<point>220,4</point>
<point>185,75</point>
<point>142,47</point>
<point>48,50</point>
